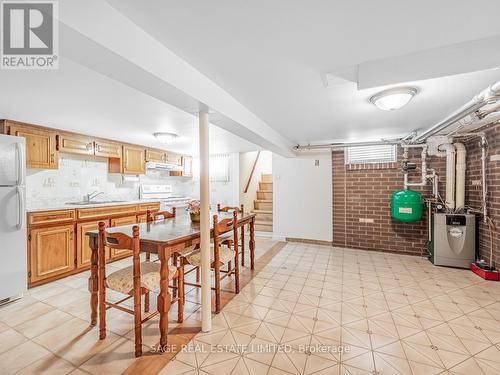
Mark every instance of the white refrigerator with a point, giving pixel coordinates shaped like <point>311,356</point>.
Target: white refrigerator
<point>13,244</point>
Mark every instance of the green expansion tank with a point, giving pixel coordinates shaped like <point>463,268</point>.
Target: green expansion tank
<point>406,205</point>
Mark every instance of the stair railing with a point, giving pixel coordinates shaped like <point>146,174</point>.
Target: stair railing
<point>252,172</point>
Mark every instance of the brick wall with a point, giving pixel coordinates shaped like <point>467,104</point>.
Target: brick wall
<point>473,191</point>
<point>364,192</point>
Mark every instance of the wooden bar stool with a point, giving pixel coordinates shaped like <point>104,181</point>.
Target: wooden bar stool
<point>241,243</point>
<point>219,255</point>
<point>135,280</point>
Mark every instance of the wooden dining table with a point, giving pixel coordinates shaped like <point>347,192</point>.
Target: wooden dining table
<point>164,238</point>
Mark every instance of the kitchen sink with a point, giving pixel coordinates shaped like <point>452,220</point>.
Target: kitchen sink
<point>85,203</point>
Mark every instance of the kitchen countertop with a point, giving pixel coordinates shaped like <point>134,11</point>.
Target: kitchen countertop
<point>44,206</point>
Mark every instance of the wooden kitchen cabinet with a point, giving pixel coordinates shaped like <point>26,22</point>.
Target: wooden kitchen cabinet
<point>156,156</point>
<point>107,149</point>
<point>75,144</point>
<point>127,220</point>
<point>187,166</point>
<point>40,145</point>
<point>51,252</point>
<point>83,250</point>
<point>174,158</point>
<point>134,160</point>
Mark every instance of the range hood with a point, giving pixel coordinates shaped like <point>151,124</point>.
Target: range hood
<point>160,166</point>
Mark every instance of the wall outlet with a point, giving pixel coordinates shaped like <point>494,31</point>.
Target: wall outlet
<point>316,163</point>
<point>476,182</point>
<point>366,220</point>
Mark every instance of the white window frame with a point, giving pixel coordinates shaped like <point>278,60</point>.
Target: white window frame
<point>370,154</point>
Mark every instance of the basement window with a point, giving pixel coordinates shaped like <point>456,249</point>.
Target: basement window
<point>370,154</point>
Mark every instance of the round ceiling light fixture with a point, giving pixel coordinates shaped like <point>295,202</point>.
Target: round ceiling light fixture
<point>166,138</point>
<point>392,99</point>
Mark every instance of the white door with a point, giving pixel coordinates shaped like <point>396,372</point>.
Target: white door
<point>11,160</point>
<point>13,244</point>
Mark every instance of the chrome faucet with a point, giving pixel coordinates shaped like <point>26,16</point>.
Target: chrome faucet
<point>93,195</point>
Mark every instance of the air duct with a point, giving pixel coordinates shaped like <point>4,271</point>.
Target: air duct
<point>460,175</point>
<point>449,151</point>
<point>486,96</point>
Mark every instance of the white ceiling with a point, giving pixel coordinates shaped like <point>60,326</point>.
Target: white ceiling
<point>271,56</point>
<point>78,99</point>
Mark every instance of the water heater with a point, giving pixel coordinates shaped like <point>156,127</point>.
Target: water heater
<point>453,240</point>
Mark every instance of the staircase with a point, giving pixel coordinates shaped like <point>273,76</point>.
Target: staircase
<point>263,205</point>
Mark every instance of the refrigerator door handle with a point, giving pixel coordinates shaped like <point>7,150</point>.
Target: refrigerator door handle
<point>20,164</point>
<point>20,195</point>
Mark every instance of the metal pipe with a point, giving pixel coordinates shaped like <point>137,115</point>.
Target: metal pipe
<point>346,144</point>
<point>483,177</point>
<point>483,98</point>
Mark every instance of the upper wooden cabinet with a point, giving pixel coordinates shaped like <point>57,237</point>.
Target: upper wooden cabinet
<point>40,145</point>
<point>75,144</point>
<point>174,158</point>
<point>156,156</point>
<point>108,149</point>
<point>187,166</point>
<point>133,160</point>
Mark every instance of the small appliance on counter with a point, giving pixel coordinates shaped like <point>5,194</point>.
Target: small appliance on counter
<point>13,270</point>
<point>163,193</point>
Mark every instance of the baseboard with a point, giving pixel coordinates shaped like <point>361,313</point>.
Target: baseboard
<point>309,241</point>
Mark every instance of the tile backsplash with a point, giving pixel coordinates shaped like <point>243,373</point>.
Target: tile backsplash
<point>80,175</point>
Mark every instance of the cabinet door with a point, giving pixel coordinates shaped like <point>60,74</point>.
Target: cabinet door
<point>75,144</point>
<point>156,156</point>
<point>83,251</point>
<point>133,160</point>
<point>108,149</point>
<point>40,146</point>
<point>187,166</point>
<point>52,252</point>
<point>174,159</point>
<point>117,253</point>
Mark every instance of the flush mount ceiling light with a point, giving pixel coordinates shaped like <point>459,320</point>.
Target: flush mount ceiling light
<point>166,138</point>
<point>392,99</point>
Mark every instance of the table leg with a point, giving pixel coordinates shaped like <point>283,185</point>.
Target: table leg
<point>252,243</point>
<point>93,280</point>
<point>164,300</point>
<point>102,281</point>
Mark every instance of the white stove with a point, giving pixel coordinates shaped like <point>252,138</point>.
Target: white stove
<point>163,193</point>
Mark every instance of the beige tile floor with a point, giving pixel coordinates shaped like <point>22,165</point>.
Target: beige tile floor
<point>310,310</point>
<point>48,331</point>
<point>325,311</point>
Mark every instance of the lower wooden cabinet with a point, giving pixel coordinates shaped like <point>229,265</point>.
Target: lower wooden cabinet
<point>83,250</point>
<point>52,252</point>
<point>127,220</point>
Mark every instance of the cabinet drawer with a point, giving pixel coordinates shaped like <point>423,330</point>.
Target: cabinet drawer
<point>143,207</point>
<point>48,217</point>
<point>98,212</point>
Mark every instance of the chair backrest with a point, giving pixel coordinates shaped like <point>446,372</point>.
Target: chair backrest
<point>153,216</point>
<point>119,240</point>
<point>224,226</point>
<point>239,210</point>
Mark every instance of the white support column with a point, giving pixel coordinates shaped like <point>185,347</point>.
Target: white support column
<point>206,291</point>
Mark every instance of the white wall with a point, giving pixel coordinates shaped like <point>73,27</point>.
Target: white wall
<point>303,197</point>
<point>225,193</point>
<point>264,165</point>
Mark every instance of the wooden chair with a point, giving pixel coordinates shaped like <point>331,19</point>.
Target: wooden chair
<point>219,256</point>
<point>228,239</point>
<point>136,280</point>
